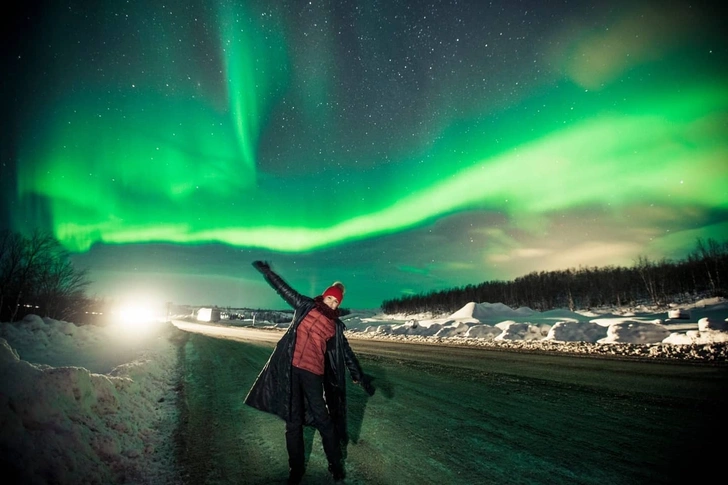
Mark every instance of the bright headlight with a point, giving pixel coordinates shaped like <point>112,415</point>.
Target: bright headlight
<point>136,315</point>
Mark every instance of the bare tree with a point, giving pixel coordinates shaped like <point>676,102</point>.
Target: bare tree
<point>61,288</point>
<point>37,247</point>
<point>646,270</point>
<point>11,257</point>
<point>713,256</point>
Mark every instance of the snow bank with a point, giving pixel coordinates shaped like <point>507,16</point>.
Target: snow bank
<point>66,424</point>
<point>605,332</point>
<point>576,332</point>
<point>632,331</point>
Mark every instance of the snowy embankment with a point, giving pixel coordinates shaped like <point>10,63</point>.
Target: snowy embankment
<point>87,404</point>
<point>697,332</point>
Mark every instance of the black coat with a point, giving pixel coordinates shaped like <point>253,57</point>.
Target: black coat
<point>271,391</point>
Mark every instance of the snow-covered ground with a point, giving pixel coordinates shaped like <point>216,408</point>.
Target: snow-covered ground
<point>90,404</point>
<point>698,331</point>
<point>87,404</point>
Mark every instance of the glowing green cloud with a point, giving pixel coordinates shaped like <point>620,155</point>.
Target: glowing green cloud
<point>161,192</point>
<point>253,69</point>
<point>137,165</point>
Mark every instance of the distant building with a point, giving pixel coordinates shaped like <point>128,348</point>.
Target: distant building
<point>208,315</point>
<point>678,313</point>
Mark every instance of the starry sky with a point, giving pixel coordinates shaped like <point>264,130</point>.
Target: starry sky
<point>401,147</point>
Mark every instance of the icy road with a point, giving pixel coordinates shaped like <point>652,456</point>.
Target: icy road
<point>450,415</point>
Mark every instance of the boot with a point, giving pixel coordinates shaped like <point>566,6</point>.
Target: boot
<point>295,475</point>
<point>337,471</point>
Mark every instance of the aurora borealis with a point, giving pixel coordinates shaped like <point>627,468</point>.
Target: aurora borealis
<point>401,147</point>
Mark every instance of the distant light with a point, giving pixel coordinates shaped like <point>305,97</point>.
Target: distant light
<point>136,315</point>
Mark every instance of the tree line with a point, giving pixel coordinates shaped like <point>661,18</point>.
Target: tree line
<point>37,276</point>
<point>702,272</point>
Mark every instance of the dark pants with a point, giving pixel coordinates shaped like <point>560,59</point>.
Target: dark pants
<point>304,383</point>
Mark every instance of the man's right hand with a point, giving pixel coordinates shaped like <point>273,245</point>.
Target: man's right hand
<point>261,266</point>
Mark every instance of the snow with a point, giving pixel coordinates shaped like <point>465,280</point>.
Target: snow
<point>485,324</point>
<point>87,404</point>
<point>97,404</point>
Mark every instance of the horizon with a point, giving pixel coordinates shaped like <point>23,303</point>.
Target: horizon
<point>284,308</point>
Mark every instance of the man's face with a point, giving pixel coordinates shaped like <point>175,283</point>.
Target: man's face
<point>331,302</point>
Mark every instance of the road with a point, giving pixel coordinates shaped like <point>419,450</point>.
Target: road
<point>460,416</point>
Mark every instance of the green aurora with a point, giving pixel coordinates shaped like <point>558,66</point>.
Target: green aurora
<point>128,160</point>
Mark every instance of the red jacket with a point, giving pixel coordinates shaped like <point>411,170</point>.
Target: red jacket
<point>313,333</point>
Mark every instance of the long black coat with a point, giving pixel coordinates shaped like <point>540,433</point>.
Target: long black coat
<point>271,391</point>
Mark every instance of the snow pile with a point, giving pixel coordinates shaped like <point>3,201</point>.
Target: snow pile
<point>576,332</point>
<point>518,331</point>
<point>701,329</point>
<point>62,423</point>
<point>710,329</point>
<point>634,331</point>
<point>707,324</point>
<point>485,312</point>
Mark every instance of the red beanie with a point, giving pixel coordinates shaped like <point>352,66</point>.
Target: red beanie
<point>336,290</point>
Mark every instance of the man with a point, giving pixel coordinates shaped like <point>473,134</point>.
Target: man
<point>304,380</point>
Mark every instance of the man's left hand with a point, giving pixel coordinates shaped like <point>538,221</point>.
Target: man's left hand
<point>366,384</point>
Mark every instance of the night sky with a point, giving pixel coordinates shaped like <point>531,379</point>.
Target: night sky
<point>398,146</point>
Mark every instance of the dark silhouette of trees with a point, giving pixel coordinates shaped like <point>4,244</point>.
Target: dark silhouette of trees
<point>712,256</point>
<point>11,256</point>
<point>36,276</point>
<point>703,272</point>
